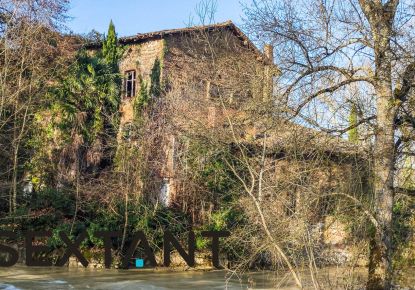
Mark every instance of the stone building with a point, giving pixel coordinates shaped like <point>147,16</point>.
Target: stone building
<point>199,62</point>
<point>210,75</point>
<point>187,54</point>
<point>211,72</point>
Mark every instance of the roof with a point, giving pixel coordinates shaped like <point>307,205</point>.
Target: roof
<point>291,136</point>
<point>228,25</point>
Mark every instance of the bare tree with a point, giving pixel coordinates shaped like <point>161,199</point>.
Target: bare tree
<point>30,51</point>
<point>325,47</point>
<point>284,175</point>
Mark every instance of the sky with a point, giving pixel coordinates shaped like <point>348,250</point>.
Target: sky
<point>137,16</point>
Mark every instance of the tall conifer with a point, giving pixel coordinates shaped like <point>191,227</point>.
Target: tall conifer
<point>109,46</point>
<point>353,133</point>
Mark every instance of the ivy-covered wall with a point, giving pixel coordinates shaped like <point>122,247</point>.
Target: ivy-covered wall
<point>141,58</point>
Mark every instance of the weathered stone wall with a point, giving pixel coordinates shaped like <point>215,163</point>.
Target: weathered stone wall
<point>206,75</point>
<point>206,69</point>
<point>308,186</point>
<point>139,57</point>
<point>203,73</point>
<point>308,193</point>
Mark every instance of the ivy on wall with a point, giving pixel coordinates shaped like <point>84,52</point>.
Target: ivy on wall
<point>146,95</point>
<point>155,84</point>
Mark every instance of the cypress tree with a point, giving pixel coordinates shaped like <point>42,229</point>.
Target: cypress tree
<point>353,133</point>
<point>109,46</point>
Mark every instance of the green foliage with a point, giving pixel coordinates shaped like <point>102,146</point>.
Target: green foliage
<point>165,49</point>
<point>55,241</point>
<point>48,209</point>
<point>155,85</point>
<point>88,97</point>
<point>353,119</point>
<point>142,216</point>
<point>41,169</point>
<point>228,217</point>
<point>83,108</point>
<point>213,177</point>
<point>210,170</point>
<point>154,221</point>
<point>219,220</point>
<point>110,50</point>
<point>145,94</point>
<point>143,98</point>
<point>54,210</point>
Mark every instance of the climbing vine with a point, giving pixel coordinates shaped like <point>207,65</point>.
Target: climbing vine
<point>155,85</point>
<point>146,95</point>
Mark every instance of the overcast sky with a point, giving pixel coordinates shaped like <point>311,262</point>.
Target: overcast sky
<point>135,16</point>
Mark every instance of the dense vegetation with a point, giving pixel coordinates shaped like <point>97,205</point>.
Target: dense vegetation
<point>76,176</point>
<point>67,164</point>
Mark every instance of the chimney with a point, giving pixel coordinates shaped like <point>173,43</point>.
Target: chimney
<point>269,53</point>
<point>268,88</point>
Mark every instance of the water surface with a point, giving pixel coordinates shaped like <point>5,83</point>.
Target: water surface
<point>22,277</point>
<point>63,278</point>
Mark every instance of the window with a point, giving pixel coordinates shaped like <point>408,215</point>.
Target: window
<point>130,83</point>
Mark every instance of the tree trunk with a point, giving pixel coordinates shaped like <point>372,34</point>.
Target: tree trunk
<point>380,260</point>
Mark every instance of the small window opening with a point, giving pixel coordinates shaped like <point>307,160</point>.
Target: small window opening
<point>130,83</point>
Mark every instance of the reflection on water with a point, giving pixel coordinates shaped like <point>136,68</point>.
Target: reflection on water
<point>22,277</point>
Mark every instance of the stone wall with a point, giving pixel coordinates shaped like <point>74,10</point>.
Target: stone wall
<point>200,71</point>
<point>141,58</point>
<point>207,68</point>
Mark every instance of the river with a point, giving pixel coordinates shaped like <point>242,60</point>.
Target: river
<point>63,278</point>
<point>22,277</point>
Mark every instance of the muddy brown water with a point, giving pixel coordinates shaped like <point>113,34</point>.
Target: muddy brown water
<point>22,277</point>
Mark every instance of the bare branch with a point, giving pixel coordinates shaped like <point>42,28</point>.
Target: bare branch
<point>408,78</point>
